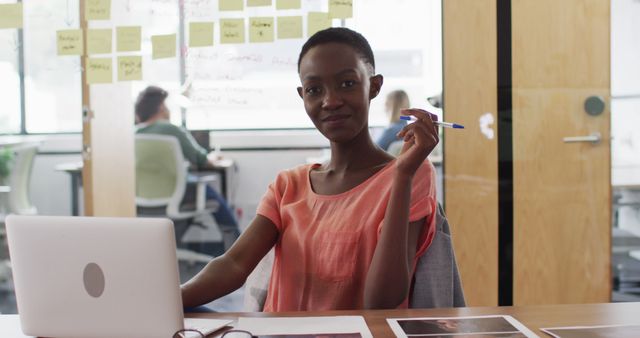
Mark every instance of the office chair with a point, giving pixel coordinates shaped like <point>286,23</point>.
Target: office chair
<point>436,281</point>
<point>161,180</point>
<point>19,180</point>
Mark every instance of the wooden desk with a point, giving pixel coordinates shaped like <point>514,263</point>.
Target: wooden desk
<point>74,169</point>
<point>534,317</point>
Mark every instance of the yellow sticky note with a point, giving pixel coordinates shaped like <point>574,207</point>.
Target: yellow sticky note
<point>99,41</point>
<point>317,21</point>
<point>99,70</point>
<point>70,42</point>
<point>163,46</point>
<point>261,29</point>
<point>129,68</point>
<point>97,9</point>
<point>230,5</point>
<point>200,34</point>
<point>340,9</point>
<point>128,38</point>
<point>290,27</point>
<point>232,31</point>
<point>288,4</point>
<point>11,15</point>
<point>257,3</point>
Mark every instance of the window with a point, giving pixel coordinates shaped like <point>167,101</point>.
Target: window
<point>53,93</point>
<point>10,84</point>
<point>252,86</point>
<point>233,86</point>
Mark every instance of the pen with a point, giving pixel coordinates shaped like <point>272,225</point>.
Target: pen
<point>437,123</point>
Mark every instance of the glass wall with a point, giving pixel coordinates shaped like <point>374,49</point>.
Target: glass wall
<point>625,148</point>
<point>10,83</point>
<point>230,85</point>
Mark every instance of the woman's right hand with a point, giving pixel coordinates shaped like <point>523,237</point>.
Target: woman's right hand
<point>420,138</point>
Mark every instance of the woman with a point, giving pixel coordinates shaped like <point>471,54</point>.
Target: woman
<point>347,233</point>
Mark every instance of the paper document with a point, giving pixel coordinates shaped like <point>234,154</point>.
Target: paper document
<point>128,38</point>
<point>230,5</point>
<point>163,46</point>
<point>10,327</point>
<point>97,9</point>
<point>204,325</point>
<point>288,4</point>
<point>475,326</point>
<point>290,27</point>
<point>605,331</point>
<point>11,15</point>
<point>261,29</point>
<point>130,68</point>
<point>99,70</point>
<point>317,21</point>
<point>339,326</point>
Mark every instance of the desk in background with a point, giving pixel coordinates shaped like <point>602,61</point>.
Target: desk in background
<point>224,167</point>
<point>74,169</point>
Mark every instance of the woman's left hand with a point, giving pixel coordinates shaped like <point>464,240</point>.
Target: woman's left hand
<point>420,137</point>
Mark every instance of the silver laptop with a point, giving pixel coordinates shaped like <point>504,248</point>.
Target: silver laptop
<point>97,277</point>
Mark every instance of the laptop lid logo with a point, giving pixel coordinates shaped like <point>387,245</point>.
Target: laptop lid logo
<point>93,280</point>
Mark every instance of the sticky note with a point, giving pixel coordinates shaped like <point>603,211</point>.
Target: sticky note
<point>97,9</point>
<point>232,31</point>
<point>70,42</point>
<point>317,21</point>
<point>340,9</point>
<point>129,68</point>
<point>128,38</point>
<point>163,46</point>
<point>230,5</point>
<point>99,41</point>
<point>256,3</point>
<point>290,27</point>
<point>261,29</point>
<point>99,70</point>
<point>288,4</point>
<point>11,15</point>
<point>200,34</point>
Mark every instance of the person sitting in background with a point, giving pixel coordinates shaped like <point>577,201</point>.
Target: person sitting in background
<point>153,117</point>
<point>397,100</point>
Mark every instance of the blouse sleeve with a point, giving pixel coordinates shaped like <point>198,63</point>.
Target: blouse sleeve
<point>269,206</point>
<point>423,204</point>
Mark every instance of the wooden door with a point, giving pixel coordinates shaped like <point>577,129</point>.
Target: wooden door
<point>470,161</point>
<point>561,191</point>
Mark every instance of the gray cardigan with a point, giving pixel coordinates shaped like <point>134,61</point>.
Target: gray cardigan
<point>436,280</point>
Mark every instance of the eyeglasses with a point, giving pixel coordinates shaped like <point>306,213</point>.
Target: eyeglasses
<point>188,333</point>
<point>237,334</point>
<point>191,333</point>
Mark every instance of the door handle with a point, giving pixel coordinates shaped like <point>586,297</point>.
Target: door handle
<point>594,138</point>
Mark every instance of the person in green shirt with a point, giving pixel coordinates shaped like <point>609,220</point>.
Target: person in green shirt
<point>153,117</point>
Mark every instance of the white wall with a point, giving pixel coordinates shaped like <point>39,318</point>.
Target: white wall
<point>625,107</point>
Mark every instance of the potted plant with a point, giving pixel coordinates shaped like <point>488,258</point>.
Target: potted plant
<point>6,157</point>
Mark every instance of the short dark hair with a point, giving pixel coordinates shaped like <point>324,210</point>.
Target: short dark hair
<point>149,101</point>
<point>342,35</point>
